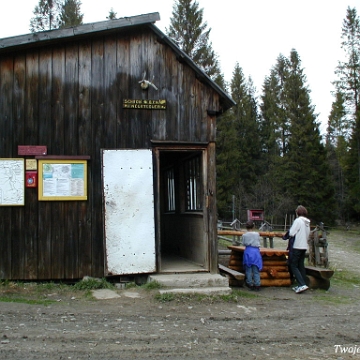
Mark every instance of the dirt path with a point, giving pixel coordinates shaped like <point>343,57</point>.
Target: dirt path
<point>272,324</point>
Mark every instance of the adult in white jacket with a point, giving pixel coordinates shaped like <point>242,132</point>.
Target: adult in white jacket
<point>301,230</point>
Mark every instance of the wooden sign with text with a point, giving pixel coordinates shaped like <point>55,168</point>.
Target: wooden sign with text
<point>32,150</point>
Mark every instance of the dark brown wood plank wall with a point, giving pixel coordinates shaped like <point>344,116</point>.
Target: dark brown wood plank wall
<point>6,127</point>
<point>171,124</point>
<point>97,139</point>
<point>32,106</point>
<point>111,92</point>
<point>85,148</point>
<point>123,118</point>
<point>71,140</point>
<point>69,98</point>
<point>160,118</point>
<point>18,213</point>
<point>57,147</point>
<point>46,136</point>
<point>135,72</point>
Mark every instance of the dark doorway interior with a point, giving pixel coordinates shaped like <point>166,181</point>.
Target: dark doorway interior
<point>183,235</point>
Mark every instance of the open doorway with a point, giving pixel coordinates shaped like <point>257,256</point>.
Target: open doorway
<point>182,244</point>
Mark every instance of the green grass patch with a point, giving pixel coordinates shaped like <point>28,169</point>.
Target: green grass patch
<point>345,278</point>
<point>326,297</point>
<point>93,284</point>
<point>9,299</point>
<point>152,285</point>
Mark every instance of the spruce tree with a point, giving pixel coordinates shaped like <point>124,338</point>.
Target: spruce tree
<point>348,85</point>
<point>191,35</point>
<point>71,14</point>
<point>337,148</point>
<point>305,168</point>
<point>47,16</point>
<point>238,147</point>
<point>112,14</point>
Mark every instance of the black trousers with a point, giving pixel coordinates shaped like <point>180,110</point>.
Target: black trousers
<point>297,266</point>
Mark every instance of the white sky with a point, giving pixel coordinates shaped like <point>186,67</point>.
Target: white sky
<point>251,32</point>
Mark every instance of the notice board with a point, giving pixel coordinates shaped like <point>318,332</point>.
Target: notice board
<point>12,182</point>
<point>62,180</point>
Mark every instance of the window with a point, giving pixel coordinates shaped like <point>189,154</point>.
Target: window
<point>193,184</point>
<point>170,189</point>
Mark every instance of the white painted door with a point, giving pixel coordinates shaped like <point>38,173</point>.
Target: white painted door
<point>129,211</point>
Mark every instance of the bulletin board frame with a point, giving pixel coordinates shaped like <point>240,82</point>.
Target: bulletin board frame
<point>62,180</point>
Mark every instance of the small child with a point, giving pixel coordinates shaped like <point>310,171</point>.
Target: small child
<point>252,260</point>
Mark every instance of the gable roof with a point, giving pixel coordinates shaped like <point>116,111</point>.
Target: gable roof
<point>109,26</point>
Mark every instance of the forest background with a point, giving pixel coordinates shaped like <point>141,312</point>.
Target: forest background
<point>270,153</point>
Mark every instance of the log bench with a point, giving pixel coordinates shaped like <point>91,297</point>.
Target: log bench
<point>319,278</point>
<point>235,278</point>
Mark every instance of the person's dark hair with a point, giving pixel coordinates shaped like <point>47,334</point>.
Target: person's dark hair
<point>301,211</point>
<point>249,224</point>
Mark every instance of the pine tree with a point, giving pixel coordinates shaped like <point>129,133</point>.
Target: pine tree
<point>71,14</point>
<point>191,35</point>
<point>47,15</point>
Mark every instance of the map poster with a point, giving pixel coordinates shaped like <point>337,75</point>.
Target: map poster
<point>12,182</point>
<point>62,180</point>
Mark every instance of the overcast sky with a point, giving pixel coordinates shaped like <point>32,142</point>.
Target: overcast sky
<point>251,32</point>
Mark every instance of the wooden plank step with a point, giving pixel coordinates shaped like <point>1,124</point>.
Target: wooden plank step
<point>318,272</point>
<point>237,275</point>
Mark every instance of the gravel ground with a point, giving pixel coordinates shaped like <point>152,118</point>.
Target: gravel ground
<point>274,323</point>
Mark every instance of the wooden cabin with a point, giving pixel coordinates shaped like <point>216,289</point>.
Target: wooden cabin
<point>107,154</point>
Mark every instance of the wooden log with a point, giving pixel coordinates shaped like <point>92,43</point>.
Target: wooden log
<point>278,275</point>
<point>235,274</point>
<point>318,283</point>
<point>321,273</point>
<point>275,282</point>
<point>276,268</point>
<point>267,234</point>
<point>235,262</point>
<point>224,252</point>
<point>275,263</point>
<point>236,283</point>
<point>236,268</point>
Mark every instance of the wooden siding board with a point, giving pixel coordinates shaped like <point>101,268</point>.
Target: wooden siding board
<point>137,69</point>
<point>97,102</point>
<point>6,83</point>
<point>45,129</point>
<point>85,148</point>
<point>31,128</point>
<point>123,56</point>
<point>160,118</point>
<point>151,93</point>
<point>211,210</point>
<point>71,131</point>
<point>58,147</point>
<point>111,92</point>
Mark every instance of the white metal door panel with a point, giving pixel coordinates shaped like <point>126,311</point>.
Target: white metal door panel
<point>129,211</point>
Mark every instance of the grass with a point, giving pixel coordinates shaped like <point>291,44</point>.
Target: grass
<point>45,302</point>
<point>93,284</point>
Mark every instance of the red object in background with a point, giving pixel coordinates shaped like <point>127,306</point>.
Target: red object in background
<point>31,179</point>
<point>255,215</point>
